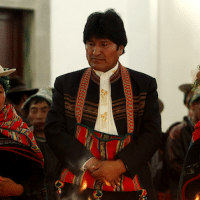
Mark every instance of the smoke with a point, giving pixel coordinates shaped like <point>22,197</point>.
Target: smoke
<point>74,192</point>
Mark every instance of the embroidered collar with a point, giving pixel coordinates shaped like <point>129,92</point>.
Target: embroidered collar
<point>81,96</point>
<point>116,75</point>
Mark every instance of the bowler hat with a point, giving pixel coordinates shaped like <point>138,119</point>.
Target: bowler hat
<point>187,90</point>
<point>186,87</point>
<point>17,85</point>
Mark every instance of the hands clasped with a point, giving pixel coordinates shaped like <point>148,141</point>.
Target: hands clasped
<point>9,188</point>
<point>107,172</point>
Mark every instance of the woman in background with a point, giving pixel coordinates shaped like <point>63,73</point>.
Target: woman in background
<point>21,165</point>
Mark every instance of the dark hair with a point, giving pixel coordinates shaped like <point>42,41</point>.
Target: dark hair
<point>33,101</point>
<point>4,81</point>
<point>105,25</point>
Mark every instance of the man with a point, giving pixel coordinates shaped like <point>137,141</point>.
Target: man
<point>36,108</point>
<point>180,137</point>
<point>18,94</point>
<point>110,103</point>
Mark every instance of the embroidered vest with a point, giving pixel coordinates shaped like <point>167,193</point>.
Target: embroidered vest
<point>103,146</point>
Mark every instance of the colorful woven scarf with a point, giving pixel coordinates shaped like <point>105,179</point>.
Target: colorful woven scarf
<point>12,126</point>
<point>196,133</point>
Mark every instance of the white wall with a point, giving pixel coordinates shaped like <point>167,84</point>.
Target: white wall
<point>179,53</point>
<point>68,19</point>
<point>163,41</point>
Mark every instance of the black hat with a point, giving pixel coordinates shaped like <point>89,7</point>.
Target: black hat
<point>187,90</point>
<point>17,85</point>
<point>186,87</point>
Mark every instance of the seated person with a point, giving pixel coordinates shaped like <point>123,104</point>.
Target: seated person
<point>21,168</point>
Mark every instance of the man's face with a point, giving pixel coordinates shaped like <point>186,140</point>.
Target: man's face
<point>102,54</point>
<point>37,115</point>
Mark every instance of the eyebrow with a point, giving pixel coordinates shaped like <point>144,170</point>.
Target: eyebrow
<point>45,107</point>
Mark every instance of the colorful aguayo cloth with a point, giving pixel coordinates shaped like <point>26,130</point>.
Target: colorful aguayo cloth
<point>103,146</point>
<point>12,126</point>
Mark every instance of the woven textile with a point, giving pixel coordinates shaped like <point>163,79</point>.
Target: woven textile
<point>104,147</point>
<point>12,126</point>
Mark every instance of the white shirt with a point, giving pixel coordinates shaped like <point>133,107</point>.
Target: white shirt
<point>105,120</point>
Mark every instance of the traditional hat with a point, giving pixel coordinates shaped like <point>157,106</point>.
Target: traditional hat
<point>6,71</point>
<point>45,93</point>
<point>17,85</point>
<point>186,87</point>
<point>187,90</point>
<point>4,79</point>
<point>196,94</point>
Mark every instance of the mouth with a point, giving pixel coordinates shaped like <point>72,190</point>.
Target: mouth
<point>97,60</point>
<point>39,124</point>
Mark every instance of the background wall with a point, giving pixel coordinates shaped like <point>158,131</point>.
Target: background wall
<point>179,53</point>
<point>163,41</point>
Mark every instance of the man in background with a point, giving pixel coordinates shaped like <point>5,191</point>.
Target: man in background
<point>179,139</point>
<point>36,108</point>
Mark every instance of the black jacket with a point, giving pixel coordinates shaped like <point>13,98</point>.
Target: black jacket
<point>60,124</point>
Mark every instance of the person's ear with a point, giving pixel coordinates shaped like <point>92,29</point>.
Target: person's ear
<point>121,49</point>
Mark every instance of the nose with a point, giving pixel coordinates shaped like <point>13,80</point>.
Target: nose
<point>39,115</point>
<point>97,50</point>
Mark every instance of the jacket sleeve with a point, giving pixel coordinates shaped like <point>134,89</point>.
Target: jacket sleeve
<point>148,139</point>
<point>69,151</point>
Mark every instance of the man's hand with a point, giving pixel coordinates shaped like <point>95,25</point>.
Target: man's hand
<point>10,188</point>
<point>91,164</point>
<point>109,171</point>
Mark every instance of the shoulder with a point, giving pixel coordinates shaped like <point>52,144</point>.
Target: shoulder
<point>139,75</point>
<point>69,79</point>
<point>142,82</point>
<point>176,131</point>
<point>141,78</point>
<point>72,75</point>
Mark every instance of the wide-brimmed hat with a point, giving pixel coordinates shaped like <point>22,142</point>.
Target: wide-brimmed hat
<point>17,85</point>
<point>6,71</point>
<point>45,93</point>
<point>196,94</point>
<point>187,90</point>
<point>186,87</point>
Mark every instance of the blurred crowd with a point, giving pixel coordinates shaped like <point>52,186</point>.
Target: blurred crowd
<point>97,134</point>
<point>175,165</point>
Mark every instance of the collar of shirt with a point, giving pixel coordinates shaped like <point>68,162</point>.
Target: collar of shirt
<point>108,73</point>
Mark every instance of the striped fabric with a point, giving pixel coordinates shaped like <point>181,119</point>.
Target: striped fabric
<point>12,126</point>
<point>104,147</point>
